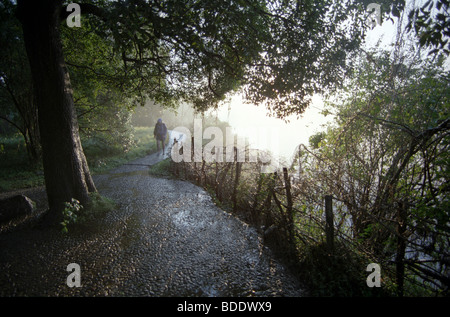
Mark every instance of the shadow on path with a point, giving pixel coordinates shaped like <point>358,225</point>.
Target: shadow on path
<point>166,238</point>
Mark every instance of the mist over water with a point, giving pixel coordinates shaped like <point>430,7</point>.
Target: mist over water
<point>247,121</point>
<point>273,134</point>
<point>253,122</point>
<point>246,118</point>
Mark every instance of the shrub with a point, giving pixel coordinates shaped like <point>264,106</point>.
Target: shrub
<point>161,168</point>
<point>341,274</point>
<point>70,214</point>
<point>75,213</point>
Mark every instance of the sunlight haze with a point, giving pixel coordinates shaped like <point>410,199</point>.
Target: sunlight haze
<point>244,117</point>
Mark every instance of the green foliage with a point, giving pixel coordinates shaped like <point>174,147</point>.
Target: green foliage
<point>76,214</point>
<point>161,169</point>
<point>70,214</point>
<point>16,171</point>
<point>18,112</point>
<point>15,168</point>
<point>431,23</point>
<point>102,104</point>
<point>102,157</point>
<point>97,206</point>
<point>316,139</point>
<point>385,156</point>
<point>280,52</point>
<point>342,274</point>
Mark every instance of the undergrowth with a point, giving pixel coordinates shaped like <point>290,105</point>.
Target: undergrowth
<point>16,171</point>
<point>161,169</point>
<point>341,274</point>
<point>76,214</point>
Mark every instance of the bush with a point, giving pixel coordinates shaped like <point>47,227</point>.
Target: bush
<point>70,214</point>
<point>161,169</point>
<point>16,171</point>
<point>342,274</point>
<point>75,213</point>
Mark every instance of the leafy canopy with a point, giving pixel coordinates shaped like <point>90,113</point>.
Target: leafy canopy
<point>200,51</point>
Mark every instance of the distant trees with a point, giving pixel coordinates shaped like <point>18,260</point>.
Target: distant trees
<point>17,104</point>
<point>101,105</point>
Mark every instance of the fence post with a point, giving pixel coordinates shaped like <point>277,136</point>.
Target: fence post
<point>236,180</point>
<point>216,179</point>
<point>329,226</point>
<point>287,184</point>
<point>299,161</point>
<point>203,174</point>
<point>290,214</point>
<point>194,164</point>
<point>192,148</point>
<point>176,166</point>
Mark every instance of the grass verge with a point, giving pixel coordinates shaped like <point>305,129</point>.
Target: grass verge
<point>16,172</point>
<point>161,169</point>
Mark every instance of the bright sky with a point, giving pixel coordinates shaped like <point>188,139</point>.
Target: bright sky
<point>271,133</point>
<point>286,136</point>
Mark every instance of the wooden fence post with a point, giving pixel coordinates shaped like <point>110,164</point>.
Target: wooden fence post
<point>299,161</point>
<point>329,227</point>
<point>287,184</point>
<point>236,180</point>
<point>216,179</point>
<point>290,214</point>
<point>194,165</point>
<point>203,174</point>
<point>175,165</point>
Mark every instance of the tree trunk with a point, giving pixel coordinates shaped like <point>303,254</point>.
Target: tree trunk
<point>65,168</point>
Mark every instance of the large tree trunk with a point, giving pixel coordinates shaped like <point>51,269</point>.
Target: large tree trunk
<point>65,168</point>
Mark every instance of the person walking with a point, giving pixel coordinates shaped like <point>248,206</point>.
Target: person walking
<point>160,133</point>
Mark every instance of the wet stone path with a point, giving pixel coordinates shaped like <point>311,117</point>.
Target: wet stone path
<point>166,238</point>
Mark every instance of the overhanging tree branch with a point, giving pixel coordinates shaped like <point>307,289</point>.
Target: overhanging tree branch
<point>87,8</point>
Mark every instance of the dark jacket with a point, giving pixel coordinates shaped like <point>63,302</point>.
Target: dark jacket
<point>160,130</point>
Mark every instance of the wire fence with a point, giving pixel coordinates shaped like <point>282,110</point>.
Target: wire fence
<point>292,211</point>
